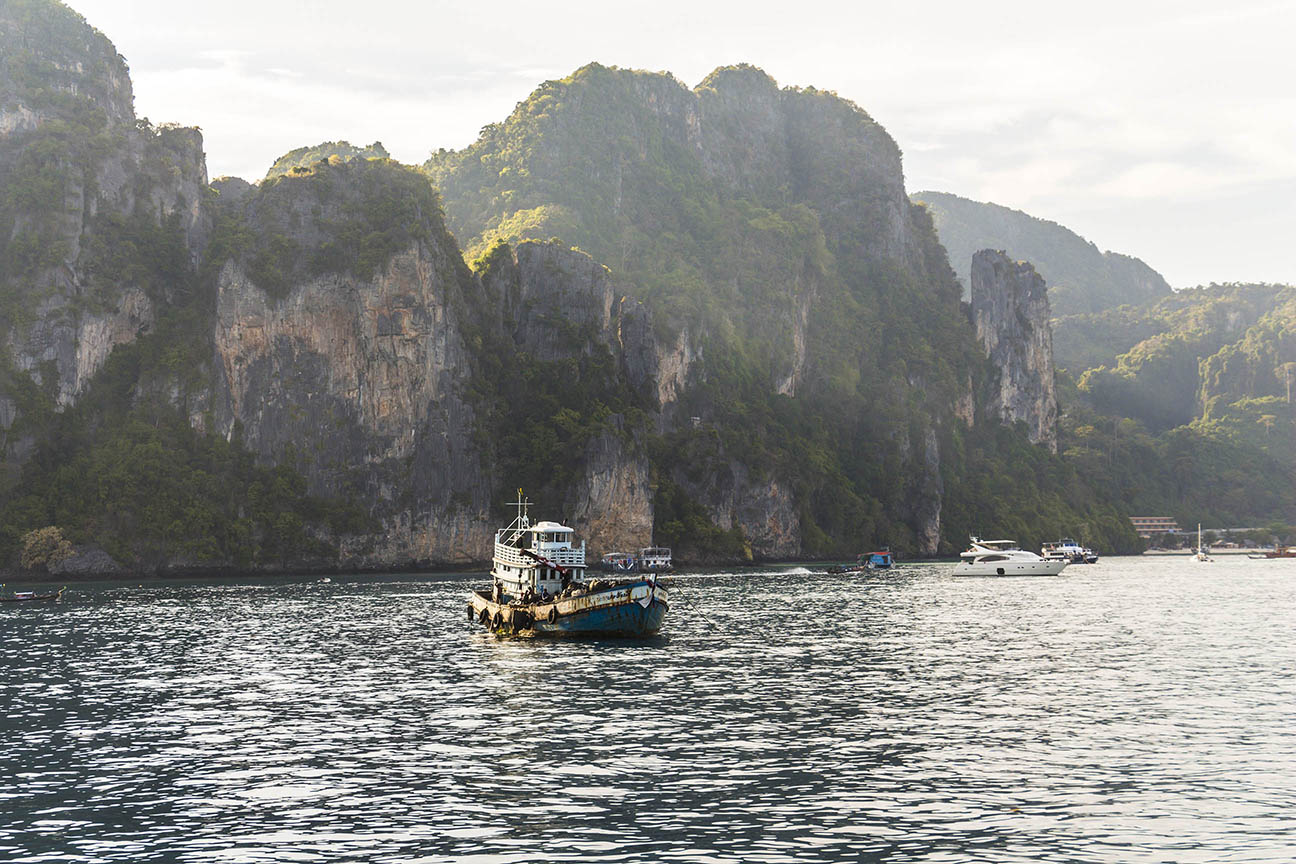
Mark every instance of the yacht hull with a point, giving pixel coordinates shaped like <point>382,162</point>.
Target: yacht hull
<point>1009,568</point>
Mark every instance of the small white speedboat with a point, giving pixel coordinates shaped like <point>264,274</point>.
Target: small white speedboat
<point>1004,558</point>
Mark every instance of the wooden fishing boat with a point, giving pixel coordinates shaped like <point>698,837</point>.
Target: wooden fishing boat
<point>538,589</point>
<point>27,596</point>
<point>1279,551</point>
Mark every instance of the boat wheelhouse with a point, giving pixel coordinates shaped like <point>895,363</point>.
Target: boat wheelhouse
<point>537,559</point>
<point>880,560</point>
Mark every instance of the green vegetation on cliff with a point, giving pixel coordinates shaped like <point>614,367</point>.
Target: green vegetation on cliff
<point>303,159</point>
<point>333,218</point>
<point>1188,408</point>
<point>125,469</point>
<point>769,233</point>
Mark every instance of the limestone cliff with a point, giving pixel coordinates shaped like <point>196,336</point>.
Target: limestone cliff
<point>1010,309</point>
<point>374,384</point>
<point>101,218</point>
<point>768,231</point>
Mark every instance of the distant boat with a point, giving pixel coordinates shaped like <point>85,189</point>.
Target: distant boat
<point>618,562</point>
<point>1004,558</point>
<point>1279,551</point>
<point>1201,550</point>
<point>880,560</point>
<point>651,559</point>
<point>538,588</point>
<point>1070,551</point>
<point>655,559</point>
<point>26,596</point>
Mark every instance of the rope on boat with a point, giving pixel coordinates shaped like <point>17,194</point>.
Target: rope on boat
<point>675,588</point>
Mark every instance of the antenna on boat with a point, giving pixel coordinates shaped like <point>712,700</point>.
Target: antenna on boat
<point>522,522</point>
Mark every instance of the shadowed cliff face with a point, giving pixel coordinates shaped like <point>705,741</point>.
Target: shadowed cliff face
<point>101,219</point>
<point>1010,308</point>
<point>358,384</point>
<point>378,386</point>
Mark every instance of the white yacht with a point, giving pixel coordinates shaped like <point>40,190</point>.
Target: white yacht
<point>1004,558</point>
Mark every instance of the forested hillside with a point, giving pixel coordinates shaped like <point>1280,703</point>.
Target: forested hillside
<point>768,231</point>
<point>1203,379</point>
<point>756,351</point>
<point>1081,278</point>
<point>302,158</point>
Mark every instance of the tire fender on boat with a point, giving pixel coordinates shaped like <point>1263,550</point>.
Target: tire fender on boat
<point>498,621</point>
<point>484,616</point>
<point>471,614</point>
<point>553,614</point>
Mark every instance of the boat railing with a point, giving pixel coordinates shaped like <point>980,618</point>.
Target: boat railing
<point>562,557</point>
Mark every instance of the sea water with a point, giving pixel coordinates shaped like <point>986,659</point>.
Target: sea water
<point>1137,710</point>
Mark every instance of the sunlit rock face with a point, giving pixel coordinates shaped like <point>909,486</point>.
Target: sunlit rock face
<point>1010,308</point>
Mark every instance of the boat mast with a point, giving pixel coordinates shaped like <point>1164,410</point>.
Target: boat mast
<point>522,522</point>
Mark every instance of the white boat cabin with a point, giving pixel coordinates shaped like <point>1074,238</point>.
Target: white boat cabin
<point>654,558</point>
<point>540,557</point>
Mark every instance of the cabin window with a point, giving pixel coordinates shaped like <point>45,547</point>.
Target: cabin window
<point>989,558</point>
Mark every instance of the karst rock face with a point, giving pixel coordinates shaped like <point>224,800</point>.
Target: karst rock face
<point>764,340</point>
<point>363,382</point>
<point>1010,309</point>
<point>769,230</point>
<point>87,193</point>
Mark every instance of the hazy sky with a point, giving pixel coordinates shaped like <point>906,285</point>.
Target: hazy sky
<point>1165,130</point>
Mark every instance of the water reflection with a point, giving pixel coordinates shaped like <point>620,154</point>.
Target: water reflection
<point>1132,711</point>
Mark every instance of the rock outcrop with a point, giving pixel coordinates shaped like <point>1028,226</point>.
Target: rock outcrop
<point>89,193</point>
<point>362,381</point>
<point>776,363</point>
<point>768,229</point>
<point>1010,309</point>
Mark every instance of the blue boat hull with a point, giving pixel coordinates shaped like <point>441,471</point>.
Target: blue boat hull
<point>635,609</point>
<point>627,619</point>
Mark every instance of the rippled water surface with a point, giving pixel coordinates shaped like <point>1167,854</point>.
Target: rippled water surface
<point>1135,710</point>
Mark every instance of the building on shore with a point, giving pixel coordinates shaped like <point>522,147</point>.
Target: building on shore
<point>1149,526</point>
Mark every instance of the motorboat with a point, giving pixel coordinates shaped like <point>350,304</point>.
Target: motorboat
<point>618,562</point>
<point>865,562</point>
<point>538,588</point>
<point>29,596</point>
<point>655,559</point>
<point>1279,551</point>
<point>881,559</point>
<point>1070,551</point>
<point>1005,558</point>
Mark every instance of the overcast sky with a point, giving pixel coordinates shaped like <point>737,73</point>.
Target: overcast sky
<point>1161,129</point>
